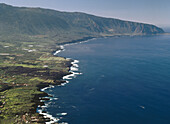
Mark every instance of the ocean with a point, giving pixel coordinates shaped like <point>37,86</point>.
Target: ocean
<point>124,80</point>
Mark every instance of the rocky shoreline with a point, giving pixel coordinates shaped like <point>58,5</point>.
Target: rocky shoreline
<point>46,97</point>
<point>60,82</point>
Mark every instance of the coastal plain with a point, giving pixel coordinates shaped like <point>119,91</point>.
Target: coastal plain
<point>25,68</point>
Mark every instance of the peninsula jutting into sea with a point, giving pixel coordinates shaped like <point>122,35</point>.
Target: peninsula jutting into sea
<point>29,37</point>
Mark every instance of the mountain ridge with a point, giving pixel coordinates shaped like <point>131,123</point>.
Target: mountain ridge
<point>63,26</point>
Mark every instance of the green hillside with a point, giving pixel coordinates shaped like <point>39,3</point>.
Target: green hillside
<point>20,23</point>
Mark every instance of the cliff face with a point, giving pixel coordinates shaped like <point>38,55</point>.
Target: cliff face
<point>37,21</point>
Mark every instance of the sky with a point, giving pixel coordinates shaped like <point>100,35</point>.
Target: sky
<point>155,12</point>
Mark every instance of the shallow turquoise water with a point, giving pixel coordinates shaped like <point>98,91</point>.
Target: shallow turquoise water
<point>125,81</point>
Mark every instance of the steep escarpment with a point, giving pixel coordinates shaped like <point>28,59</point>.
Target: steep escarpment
<point>23,23</point>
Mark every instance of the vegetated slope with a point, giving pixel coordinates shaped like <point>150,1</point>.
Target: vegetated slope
<point>55,25</point>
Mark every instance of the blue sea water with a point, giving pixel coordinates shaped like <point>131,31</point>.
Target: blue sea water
<point>125,80</point>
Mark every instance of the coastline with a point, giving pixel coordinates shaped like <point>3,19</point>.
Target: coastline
<point>35,83</point>
<point>40,109</point>
<point>40,96</point>
<point>73,72</point>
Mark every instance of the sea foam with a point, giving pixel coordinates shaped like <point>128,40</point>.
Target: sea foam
<point>74,72</point>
